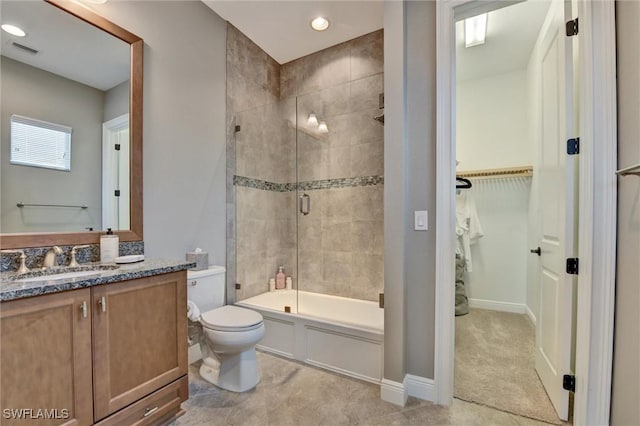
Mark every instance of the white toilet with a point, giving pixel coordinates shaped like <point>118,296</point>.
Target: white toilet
<point>230,333</point>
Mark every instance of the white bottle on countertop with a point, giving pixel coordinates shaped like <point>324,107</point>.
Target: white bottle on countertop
<point>109,247</point>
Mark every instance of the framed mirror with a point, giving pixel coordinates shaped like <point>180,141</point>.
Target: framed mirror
<point>76,98</point>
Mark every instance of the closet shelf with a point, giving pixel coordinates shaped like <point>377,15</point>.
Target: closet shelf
<point>523,171</point>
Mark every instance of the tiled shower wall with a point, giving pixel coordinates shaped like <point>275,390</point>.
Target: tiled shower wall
<point>261,229</point>
<point>339,244</point>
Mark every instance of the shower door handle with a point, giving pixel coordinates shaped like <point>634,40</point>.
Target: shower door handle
<point>305,204</point>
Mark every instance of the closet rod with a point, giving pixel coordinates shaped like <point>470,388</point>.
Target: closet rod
<point>523,171</point>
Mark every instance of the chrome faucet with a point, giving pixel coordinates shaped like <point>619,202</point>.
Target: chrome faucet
<point>50,258</point>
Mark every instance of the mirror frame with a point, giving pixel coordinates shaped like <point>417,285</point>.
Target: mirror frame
<point>23,240</point>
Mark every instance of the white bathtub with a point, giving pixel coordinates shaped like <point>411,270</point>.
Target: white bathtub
<point>336,333</point>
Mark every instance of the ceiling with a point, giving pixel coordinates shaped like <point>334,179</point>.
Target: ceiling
<point>281,28</point>
<point>66,45</point>
<point>511,34</point>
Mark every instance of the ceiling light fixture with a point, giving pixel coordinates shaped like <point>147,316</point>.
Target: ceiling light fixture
<point>475,30</point>
<point>312,120</point>
<point>322,127</point>
<point>320,23</point>
<point>13,30</point>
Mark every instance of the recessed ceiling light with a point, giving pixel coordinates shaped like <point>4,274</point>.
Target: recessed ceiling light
<point>320,23</point>
<point>13,30</point>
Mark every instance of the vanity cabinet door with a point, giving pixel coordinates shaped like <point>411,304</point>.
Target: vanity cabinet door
<point>45,360</point>
<point>139,339</point>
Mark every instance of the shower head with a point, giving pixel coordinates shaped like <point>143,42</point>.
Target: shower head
<point>380,118</point>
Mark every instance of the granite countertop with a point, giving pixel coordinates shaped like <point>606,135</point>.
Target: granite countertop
<point>12,290</point>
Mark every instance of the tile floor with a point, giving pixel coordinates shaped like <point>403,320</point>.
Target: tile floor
<point>291,393</point>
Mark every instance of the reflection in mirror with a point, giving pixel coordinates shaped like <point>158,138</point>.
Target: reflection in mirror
<point>81,71</point>
<point>69,74</point>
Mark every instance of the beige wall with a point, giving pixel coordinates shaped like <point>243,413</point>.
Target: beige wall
<point>625,398</point>
<point>34,93</point>
<point>184,124</point>
<point>420,186</point>
<point>116,101</point>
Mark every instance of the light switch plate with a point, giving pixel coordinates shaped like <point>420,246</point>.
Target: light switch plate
<point>420,220</point>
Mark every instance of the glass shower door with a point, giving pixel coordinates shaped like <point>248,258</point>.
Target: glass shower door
<point>264,184</point>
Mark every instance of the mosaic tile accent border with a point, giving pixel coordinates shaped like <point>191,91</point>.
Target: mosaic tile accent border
<point>263,184</point>
<point>309,185</point>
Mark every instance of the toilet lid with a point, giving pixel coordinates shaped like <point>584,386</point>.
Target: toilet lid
<point>228,318</point>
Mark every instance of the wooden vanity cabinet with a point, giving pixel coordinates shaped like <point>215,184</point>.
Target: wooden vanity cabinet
<point>45,359</point>
<point>139,339</point>
<point>125,362</point>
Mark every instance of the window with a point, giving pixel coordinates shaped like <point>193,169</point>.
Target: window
<point>40,144</point>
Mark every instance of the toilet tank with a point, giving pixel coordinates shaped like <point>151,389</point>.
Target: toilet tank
<point>206,288</point>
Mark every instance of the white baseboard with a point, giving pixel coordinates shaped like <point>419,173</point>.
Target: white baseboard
<point>530,315</point>
<point>517,308</point>
<point>420,387</point>
<point>393,392</point>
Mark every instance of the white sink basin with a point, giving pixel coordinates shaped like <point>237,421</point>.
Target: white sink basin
<point>65,275</point>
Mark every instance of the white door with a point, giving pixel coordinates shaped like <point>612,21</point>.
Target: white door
<point>115,173</point>
<point>554,328</point>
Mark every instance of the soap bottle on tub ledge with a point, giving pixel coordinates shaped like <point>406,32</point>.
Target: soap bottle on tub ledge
<point>280,279</point>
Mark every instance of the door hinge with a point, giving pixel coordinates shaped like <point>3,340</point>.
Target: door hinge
<point>238,286</point>
<point>237,128</point>
<point>573,146</point>
<point>572,265</point>
<point>569,382</point>
<point>117,147</point>
<point>381,300</point>
<point>572,28</point>
<point>116,192</point>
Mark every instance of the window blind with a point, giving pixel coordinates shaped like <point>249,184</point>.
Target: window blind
<point>40,144</point>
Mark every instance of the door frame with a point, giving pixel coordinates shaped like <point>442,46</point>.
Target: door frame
<point>109,128</point>
<point>596,208</point>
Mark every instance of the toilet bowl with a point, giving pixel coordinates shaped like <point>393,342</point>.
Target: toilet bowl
<point>230,333</point>
<point>229,359</point>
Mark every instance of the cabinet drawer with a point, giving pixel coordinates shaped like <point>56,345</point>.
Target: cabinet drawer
<point>155,409</point>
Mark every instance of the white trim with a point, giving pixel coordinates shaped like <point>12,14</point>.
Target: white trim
<point>494,305</point>
<point>393,392</point>
<point>445,179</point>
<point>420,387</point>
<point>530,314</point>
<point>597,208</point>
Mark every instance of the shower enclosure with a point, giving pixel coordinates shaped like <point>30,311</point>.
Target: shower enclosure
<point>305,185</point>
<point>305,165</point>
<point>309,192</point>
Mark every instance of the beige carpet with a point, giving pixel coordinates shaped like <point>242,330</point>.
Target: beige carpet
<point>495,364</point>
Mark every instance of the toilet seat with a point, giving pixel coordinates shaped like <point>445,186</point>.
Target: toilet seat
<point>231,318</point>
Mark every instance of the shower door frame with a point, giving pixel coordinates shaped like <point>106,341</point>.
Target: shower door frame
<point>597,209</point>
